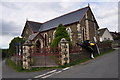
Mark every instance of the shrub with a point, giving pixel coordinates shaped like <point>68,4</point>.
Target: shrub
<point>107,41</point>
<point>12,45</point>
<point>59,34</point>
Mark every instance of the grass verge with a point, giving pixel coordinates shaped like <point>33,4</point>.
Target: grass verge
<point>86,59</point>
<point>13,65</point>
<point>20,69</point>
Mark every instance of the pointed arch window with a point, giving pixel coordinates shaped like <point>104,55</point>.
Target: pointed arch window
<point>38,46</point>
<point>45,39</point>
<point>69,31</point>
<point>54,34</point>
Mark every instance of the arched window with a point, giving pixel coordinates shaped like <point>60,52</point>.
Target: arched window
<point>38,46</point>
<point>54,34</point>
<point>45,39</point>
<point>69,31</point>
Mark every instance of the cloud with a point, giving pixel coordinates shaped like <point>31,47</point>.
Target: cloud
<point>11,5</point>
<point>59,0</point>
<point>14,14</point>
<point>9,31</point>
<point>106,14</point>
<point>9,28</point>
<point>5,40</point>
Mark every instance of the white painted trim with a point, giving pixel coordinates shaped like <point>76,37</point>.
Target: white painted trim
<point>68,28</point>
<point>87,27</point>
<point>78,27</point>
<point>54,33</point>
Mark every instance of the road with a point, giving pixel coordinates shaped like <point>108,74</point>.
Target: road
<point>105,66</point>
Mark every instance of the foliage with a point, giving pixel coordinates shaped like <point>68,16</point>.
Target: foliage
<point>117,38</point>
<point>13,65</point>
<point>4,53</point>
<point>56,41</point>
<point>12,45</point>
<point>107,41</point>
<point>59,34</point>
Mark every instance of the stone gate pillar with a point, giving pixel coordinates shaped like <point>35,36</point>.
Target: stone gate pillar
<point>27,54</point>
<point>64,44</point>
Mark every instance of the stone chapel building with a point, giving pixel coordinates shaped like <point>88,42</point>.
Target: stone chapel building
<point>80,24</point>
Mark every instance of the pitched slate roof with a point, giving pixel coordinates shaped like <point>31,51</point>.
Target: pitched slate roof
<point>35,26</point>
<point>101,31</point>
<point>69,18</point>
<point>115,34</point>
<point>32,36</point>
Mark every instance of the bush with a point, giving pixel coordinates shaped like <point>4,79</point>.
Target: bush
<point>107,41</point>
<point>56,41</point>
<point>59,34</point>
<point>12,45</point>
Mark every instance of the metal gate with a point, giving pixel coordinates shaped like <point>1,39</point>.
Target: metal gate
<point>45,57</point>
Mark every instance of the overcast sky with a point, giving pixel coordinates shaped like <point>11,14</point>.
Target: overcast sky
<point>14,14</point>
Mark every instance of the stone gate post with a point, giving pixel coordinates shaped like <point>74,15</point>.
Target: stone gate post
<point>27,54</point>
<point>64,44</point>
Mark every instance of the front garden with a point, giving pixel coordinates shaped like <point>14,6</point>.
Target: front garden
<point>20,69</point>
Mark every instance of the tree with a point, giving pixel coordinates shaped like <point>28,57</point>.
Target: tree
<point>12,45</point>
<point>4,53</point>
<point>59,34</point>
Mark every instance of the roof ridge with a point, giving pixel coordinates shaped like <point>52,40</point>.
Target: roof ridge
<point>102,28</point>
<point>35,22</point>
<point>67,14</point>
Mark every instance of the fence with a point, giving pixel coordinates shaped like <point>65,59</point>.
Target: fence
<point>49,57</point>
<point>45,57</point>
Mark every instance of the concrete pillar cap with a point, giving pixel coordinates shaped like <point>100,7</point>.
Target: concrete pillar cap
<point>63,40</point>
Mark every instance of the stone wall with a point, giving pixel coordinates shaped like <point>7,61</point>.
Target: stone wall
<point>73,28</point>
<point>78,56</point>
<point>73,34</point>
<point>92,25</point>
<point>27,32</point>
